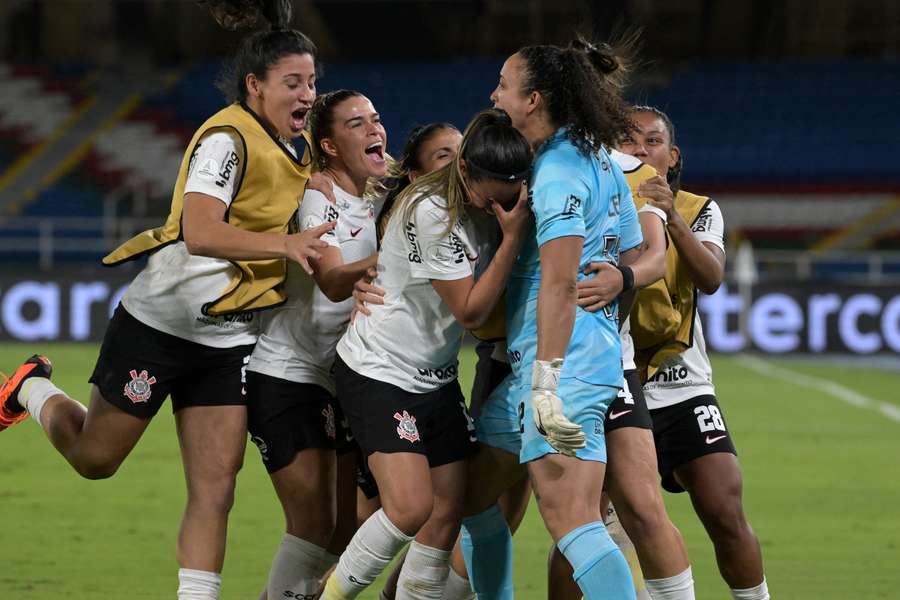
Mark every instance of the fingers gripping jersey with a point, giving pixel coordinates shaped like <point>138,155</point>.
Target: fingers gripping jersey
<point>572,194</point>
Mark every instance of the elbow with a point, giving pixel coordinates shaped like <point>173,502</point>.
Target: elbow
<point>711,285</point>
<point>195,245</point>
<point>563,287</point>
<point>334,295</point>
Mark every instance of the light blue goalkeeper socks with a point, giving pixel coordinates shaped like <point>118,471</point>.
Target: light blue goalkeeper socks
<point>487,547</point>
<point>600,569</point>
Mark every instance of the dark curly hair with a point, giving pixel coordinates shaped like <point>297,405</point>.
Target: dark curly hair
<point>261,49</point>
<point>581,85</point>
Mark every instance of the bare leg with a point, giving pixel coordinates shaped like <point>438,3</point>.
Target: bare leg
<point>94,441</point>
<point>633,485</point>
<point>715,485</point>
<point>213,440</point>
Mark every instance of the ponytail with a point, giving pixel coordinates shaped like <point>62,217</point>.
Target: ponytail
<point>246,14</point>
<point>261,49</point>
<point>581,86</point>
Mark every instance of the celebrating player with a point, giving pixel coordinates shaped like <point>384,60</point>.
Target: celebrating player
<point>396,371</point>
<point>566,361</point>
<point>632,481</point>
<point>187,323</point>
<point>694,448</point>
<point>291,412</point>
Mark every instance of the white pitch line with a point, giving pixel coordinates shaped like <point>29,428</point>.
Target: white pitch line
<point>852,397</point>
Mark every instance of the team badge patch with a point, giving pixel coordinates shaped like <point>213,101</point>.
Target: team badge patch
<point>406,428</point>
<point>138,389</point>
<point>328,413</point>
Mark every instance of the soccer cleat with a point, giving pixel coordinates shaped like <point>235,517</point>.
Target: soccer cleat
<point>11,412</point>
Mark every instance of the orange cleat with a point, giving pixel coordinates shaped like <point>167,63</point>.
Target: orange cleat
<point>11,412</point>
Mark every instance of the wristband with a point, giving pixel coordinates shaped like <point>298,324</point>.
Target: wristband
<point>545,374</point>
<point>627,277</point>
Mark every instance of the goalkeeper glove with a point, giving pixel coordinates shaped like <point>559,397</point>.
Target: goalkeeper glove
<point>562,434</point>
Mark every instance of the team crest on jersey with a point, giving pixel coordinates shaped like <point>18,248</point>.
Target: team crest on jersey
<point>138,389</point>
<point>328,413</point>
<point>406,428</point>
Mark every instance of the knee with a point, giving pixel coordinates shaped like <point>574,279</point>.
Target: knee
<point>213,491</point>
<point>94,470</point>
<point>409,514</point>
<point>724,516</point>
<point>644,516</point>
<point>561,515</point>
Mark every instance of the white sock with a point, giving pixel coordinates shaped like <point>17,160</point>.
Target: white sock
<point>457,587</point>
<point>297,569</point>
<point>368,553</point>
<point>676,587</point>
<point>760,592</point>
<point>423,574</point>
<point>198,585</point>
<point>34,393</point>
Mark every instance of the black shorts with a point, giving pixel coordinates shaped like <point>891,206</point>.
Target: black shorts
<point>140,366</point>
<point>685,431</point>
<point>386,418</point>
<point>489,372</point>
<point>285,417</point>
<point>629,409</point>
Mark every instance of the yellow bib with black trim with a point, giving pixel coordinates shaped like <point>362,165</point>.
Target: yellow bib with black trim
<point>662,317</point>
<point>266,200</point>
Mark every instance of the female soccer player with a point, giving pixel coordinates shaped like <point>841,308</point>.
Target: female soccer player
<point>291,412</point>
<point>396,371</point>
<point>188,321</point>
<point>427,149</point>
<point>632,481</point>
<point>560,99</point>
<point>694,448</point>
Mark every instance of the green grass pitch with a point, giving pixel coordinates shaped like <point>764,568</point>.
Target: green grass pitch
<point>822,490</point>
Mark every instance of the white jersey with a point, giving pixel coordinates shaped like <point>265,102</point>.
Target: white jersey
<point>170,292</point>
<point>299,338</point>
<point>412,340</point>
<point>689,374</point>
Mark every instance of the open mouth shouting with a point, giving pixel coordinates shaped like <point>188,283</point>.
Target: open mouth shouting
<point>375,154</point>
<point>298,119</point>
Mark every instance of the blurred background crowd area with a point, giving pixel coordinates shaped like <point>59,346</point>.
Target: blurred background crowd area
<point>785,110</point>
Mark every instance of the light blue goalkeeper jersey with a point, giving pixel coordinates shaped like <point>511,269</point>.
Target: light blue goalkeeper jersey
<point>572,194</point>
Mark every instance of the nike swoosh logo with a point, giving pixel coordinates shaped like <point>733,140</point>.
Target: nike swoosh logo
<point>615,415</point>
<point>715,439</point>
<point>354,233</point>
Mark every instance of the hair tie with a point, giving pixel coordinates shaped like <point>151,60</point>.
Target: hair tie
<point>499,176</point>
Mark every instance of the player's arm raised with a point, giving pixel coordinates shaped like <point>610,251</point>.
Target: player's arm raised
<point>470,301</point>
<point>705,262</point>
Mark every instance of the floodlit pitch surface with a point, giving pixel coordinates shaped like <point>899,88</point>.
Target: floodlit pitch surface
<point>821,474</point>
